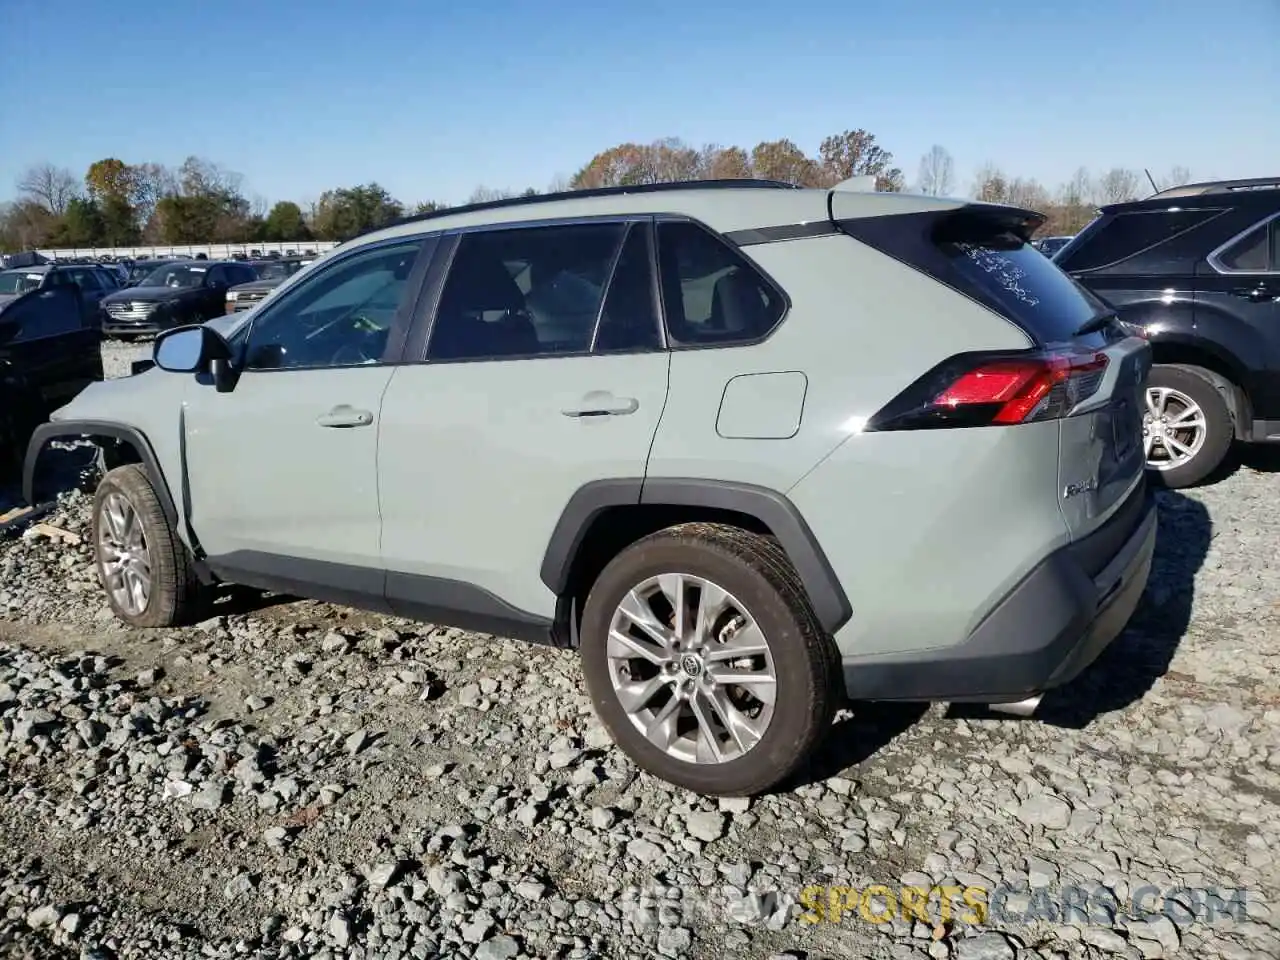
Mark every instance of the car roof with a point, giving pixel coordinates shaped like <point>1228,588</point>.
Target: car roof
<point>1262,192</point>
<point>725,205</point>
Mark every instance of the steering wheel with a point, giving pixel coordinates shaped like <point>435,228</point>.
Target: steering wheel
<point>368,349</point>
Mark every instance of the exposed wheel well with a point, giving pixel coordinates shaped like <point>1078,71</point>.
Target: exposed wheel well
<point>116,452</point>
<point>616,528</point>
<point>1227,380</point>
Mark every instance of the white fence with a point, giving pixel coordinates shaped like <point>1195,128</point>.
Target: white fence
<point>214,251</point>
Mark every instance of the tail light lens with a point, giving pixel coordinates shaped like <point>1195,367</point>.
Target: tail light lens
<point>986,390</point>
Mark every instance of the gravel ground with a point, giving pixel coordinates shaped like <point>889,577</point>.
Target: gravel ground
<point>291,779</point>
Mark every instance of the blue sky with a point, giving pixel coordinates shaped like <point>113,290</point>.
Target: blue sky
<point>432,99</point>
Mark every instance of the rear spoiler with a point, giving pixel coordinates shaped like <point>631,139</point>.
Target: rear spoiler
<point>986,221</point>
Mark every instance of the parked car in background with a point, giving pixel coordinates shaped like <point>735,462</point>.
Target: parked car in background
<point>271,273</point>
<point>172,295</point>
<point>92,280</point>
<point>49,352</point>
<point>1051,245</point>
<point>1197,269</point>
<point>720,437</point>
<point>142,269</point>
<point>117,271</point>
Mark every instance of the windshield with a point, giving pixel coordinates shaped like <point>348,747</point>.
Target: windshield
<point>176,275</point>
<point>19,282</point>
<point>280,269</point>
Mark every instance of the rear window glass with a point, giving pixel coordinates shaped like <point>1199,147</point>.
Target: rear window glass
<point>1026,286</point>
<point>1120,236</point>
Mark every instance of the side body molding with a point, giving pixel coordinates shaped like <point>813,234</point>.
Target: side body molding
<point>769,507</point>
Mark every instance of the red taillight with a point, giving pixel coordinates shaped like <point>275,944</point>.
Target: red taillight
<point>991,391</point>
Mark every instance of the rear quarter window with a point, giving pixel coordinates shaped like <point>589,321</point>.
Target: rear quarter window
<point>1117,238</point>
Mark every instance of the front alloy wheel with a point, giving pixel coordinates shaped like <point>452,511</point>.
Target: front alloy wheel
<point>124,555</point>
<point>145,569</point>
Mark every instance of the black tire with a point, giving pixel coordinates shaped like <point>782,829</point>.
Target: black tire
<point>1197,384</point>
<point>177,596</point>
<point>756,571</point>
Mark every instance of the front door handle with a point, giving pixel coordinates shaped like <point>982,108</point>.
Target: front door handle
<point>602,403</point>
<point>345,416</point>
<point>1257,294</point>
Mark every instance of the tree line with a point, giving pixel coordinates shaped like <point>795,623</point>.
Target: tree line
<point>122,204</point>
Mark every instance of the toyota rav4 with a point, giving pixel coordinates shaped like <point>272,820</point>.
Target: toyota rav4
<point>751,449</point>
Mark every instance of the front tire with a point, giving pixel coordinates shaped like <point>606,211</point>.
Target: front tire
<point>1187,428</point>
<point>705,661</point>
<point>143,566</point>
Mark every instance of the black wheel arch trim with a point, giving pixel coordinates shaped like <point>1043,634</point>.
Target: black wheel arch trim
<point>771,508</point>
<point>98,428</point>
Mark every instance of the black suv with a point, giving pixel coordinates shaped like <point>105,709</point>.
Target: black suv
<point>177,293</point>
<point>1198,268</point>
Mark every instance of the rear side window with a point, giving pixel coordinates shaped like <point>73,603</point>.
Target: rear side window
<point>710,293</point>
<point>1258,251</point>
<point>1117,237</point>
<point>525,292</point>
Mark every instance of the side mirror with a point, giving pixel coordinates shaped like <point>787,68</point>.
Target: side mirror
<point>190,349</point>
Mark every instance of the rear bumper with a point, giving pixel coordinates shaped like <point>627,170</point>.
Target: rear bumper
<point>1043,634</point>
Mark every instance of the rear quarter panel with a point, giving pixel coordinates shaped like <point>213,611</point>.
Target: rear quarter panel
<point>861,327</point>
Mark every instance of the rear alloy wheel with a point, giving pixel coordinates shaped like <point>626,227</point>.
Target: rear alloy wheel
<point>1186,428</point>
<point>705,662</point>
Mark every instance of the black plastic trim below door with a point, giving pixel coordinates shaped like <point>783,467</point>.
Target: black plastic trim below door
<point>448,603</point>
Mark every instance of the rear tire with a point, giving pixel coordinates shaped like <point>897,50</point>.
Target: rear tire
<point>144,568</point>
<point>1173,390</point>
<point>763,608</point>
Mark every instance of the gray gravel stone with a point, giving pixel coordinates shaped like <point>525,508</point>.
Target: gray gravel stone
<point>502,808</point>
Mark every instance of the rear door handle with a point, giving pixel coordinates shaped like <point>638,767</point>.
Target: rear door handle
<point>345,416</point>
<point>602,403</point>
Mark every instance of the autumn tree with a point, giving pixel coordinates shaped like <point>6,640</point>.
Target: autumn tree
<point>937,171</point>
<point>627,164</point>
<point>50,186</point>
<point>725,163</point>
<point>26,225</point>
<point>783,160</point>
<point>855,153</point>
<point>111,186</point>
<point>990,185</point>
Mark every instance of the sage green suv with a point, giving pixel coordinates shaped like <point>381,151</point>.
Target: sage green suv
<point>752,450</point>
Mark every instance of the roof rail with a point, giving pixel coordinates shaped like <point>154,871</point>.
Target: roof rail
<point>1219,186</point>
<point>721,184</point>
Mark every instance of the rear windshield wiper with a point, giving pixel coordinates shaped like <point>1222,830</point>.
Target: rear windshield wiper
<point>1095,324</point>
